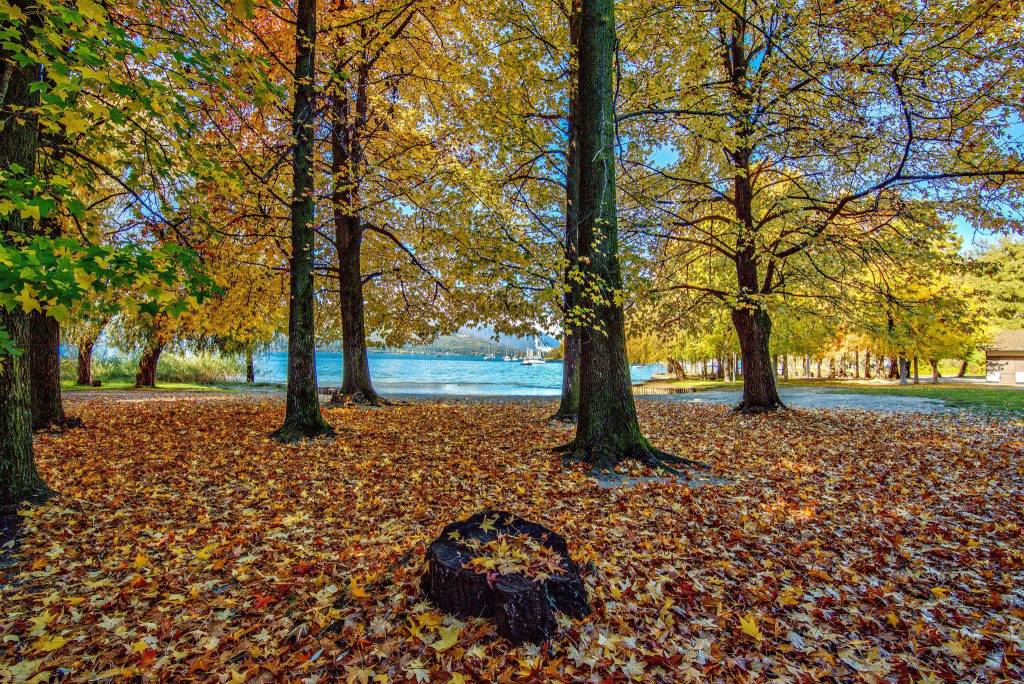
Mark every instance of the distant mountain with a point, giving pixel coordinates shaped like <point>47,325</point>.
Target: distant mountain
<point>481,341</point>
<point>473,341</point>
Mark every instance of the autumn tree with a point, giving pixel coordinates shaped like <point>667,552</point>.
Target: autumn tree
<point>607,428</point>
<point>302,413</point>
<point>798,131</point>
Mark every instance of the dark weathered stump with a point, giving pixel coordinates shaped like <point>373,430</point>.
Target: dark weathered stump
<point>521,607</point>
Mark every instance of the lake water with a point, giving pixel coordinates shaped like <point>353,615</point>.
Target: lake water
<point>438,374</point>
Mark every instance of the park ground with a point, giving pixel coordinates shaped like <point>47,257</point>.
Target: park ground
<point>970,394</point>
<point>186,544</point>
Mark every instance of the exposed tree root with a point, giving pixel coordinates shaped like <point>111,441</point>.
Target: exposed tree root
<point>295,430</point>
<point>564,417</point>
<point>748,410</point>
<point>60,425</point>
<point>359,398</point>
<point>604,457</point>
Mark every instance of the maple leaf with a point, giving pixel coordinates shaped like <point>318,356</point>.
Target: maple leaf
<point>748,623</point>
<point>449,636</point>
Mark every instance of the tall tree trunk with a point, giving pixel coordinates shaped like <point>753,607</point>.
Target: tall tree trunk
<point>302,410</point>
<point>349,112</point>
<point>895,367</point>
<point>867,364</point>
<point>146,375</point>
<point>917,378</point>
<point>935,370</point>
<point>963,369</point>
<point>19,478</point>
<point>250,366</point>
<point>676,368</point>
<point>785,366</point>
<point>44,362</point>
<point>569,404</point>
<point>84,368</point>
<point>607,428</point>
<point>856,364</point>
<point>904,369</point>
<point>753,327</point>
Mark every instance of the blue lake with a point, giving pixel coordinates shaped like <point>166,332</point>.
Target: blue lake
<point>441,374</point>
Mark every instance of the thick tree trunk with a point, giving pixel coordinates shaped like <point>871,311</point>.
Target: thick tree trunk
<point>903,369</point>
<point>146,375</point>
<point>302,412</point>
<point>785,367</point>
<point>349,111</point>
<point>607,428</point>
<point>44,362</point>
<point>19,478</point>
<point>963,369</point>
<point>754,327</point>
<point>935,370</point>
<point>569,404</point>
<point>250,366</point>
<point>917,378</point>
<point>867,364</point>
<point>84,367</point>
<point>676,368</point>
<point>356,385</point>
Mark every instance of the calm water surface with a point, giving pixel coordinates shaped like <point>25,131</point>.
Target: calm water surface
<point>441,374</point>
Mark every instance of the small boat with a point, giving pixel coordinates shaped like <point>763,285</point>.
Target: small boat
<point>533,358</point>
<point>489,357</point>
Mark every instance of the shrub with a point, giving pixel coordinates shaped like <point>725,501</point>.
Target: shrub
<point>198,369</point>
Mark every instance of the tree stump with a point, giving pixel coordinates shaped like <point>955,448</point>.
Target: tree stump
<point>521,606</point>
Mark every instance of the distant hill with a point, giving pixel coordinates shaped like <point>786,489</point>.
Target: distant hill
<point>482,342</point>
<point>471,341</point>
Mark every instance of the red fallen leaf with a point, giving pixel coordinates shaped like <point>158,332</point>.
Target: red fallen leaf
<point>147,657</point>
<point>262,601</point>
<point>303,568</point>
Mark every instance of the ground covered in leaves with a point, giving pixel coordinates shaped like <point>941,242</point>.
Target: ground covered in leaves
<point>186,544</point>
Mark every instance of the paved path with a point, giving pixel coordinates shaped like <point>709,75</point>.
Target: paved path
<point>809,397</point>
<point>794,397</point>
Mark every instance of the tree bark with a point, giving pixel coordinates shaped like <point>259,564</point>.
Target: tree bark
<point>569,404</point>
<point>250,366</point>
<point>785,367</point>
<point>302,409</point>
<point>935,370</point>
<point>963,369</point>
<point>607,428</point>
<point>917,378</point>
<point>349,112</point>
<point>903,369</point>
<point>753,327</point>
<point>44,362</point>
<point>84,367</point>
<point>19,479</point>
<point>146,375</point>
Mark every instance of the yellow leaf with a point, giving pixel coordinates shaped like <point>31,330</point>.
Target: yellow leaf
<point>74,122</point>
<point>49,643</point>
<point>748,623</point>
<point>139,646</point>
<point>30,211</point>
<point>28,299</point>
<point>141,561</point>
<point>356,589</point>
<point>449,637</point>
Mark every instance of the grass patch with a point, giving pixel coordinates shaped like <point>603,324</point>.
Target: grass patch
<point>121,385</point>
<point>958,395</point>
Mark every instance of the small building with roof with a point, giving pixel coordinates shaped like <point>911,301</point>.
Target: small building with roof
<point>1004,358</point>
